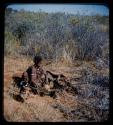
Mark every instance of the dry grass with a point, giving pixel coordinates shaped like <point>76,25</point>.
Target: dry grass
<point>34,109</point>
<point>65,107</point>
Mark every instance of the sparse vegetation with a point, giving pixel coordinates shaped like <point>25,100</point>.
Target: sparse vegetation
<point>76,46</point>
<point>56,35</point>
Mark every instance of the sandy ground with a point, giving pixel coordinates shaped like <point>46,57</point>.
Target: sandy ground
<point>36,108</point>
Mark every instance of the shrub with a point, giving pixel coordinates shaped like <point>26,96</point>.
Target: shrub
<point>57,35</point>
<point>12,44</point>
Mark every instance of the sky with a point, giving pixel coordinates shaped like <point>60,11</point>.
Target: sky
<point>67,8</point>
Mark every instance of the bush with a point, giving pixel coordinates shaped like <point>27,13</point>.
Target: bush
<point>11,45</point>
<point>58,35</point>
<point>89,39</point>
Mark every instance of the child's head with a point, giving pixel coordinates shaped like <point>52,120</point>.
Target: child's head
<point>37,60</point>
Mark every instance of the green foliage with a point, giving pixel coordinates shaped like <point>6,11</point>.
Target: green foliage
<point>53,35</point>
<point>73,21</point>
<point>11,44</point>
<point>22,29</point>
<point>102,19</point>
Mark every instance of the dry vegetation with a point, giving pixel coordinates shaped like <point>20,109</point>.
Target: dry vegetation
<point>90,104</point>
<point>73,45</point>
